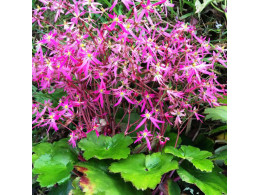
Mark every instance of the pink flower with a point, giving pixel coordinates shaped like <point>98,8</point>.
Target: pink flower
<point>73,139</point>
<point>123,94</point>
<point>144,134</point>
<point>49,38</point>
<point>77,14</point>
<point>195,111</point>
<point>165,5</point>
<point>76,135</point>
<point>96,128</point>
<point>101,91</point>
<point>178,113</point>
<point>147,98</point>
<point>168,117</point>
<point>67,109</point>
<point>162,140</point>
<point>216,58</point>
<point>149,8</point>
<point>125,2</point>
<point>116,20</point>
<point>37,16</point>
<point>148,116</point>
<point>58,6</point>
<point>51,121</point>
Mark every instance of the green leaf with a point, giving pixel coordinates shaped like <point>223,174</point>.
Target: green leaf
<point>96,179</point>
<point>144,171</point>
<point>109,5</point>
<point>189,3</point>
<point>62,149</point>
<point>105,147</point>
<point>220,154</point>
<point>64,188</point>
<point>200,6</point>
<point>172,188</point>
<point>41,149</point>
<point>209,183</point>
<point>53,162</point>
<point>224,100</point>
<point>59,149</point>
<point>186,16</point>
<point>217,130</point>
<point>217,1</point>
<point>218,113</point>
<point>57,95</point>
<point>34,89</point>
<point>51,170</point>
<point>197,157</point>
<point>76,189</point>
<point>44,96</point>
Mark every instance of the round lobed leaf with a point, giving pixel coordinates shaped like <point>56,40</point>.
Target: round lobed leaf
<point>96,179</point>
<point>197,157</point>
<point>209,183</point>
<point>144,171</point>
<point>51,170</point>
<point>105,147</point>
<point>53,162</point>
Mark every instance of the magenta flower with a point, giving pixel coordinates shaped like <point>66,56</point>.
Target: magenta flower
<point>96,128</point>
<point>144,134</point>
<point>58,6</point>
<point>116,20</point>
<point>165,5</point>
<point>125,2</point>
<point>148,116</point>
<point>147,98</point>
<point>195,111</point>
<point>67,109</point>
<point>178,113</point>
<point>168,117</point>
<point>162,140</point>
<point>76,135</point>
<point>123,94</point>
<point>77,14</point>
<point>216,58</point>
<point>89,58</point>
<point>49,38</point>
<point>128,28</point>
<point>101,91</point>
<point>51,121</point>
<point>73,139</point>
<point>37,16</point>
<point>92,6</point>
<point>149,8</point>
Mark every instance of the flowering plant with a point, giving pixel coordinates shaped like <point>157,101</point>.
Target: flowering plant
<point>130,76</point>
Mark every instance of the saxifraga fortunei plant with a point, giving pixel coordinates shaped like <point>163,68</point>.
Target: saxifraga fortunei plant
<point>137,64</point>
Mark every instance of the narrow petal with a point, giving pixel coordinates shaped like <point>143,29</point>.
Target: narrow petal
<point>148,143</point>
<point>154,122</point>
<point>118,102</point>
<point>138,139</point>
<point>130,101</point>
<point>114,4</point>
<point>141,123</point>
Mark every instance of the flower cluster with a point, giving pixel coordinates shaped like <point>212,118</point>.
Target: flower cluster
<point>139,63</point>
